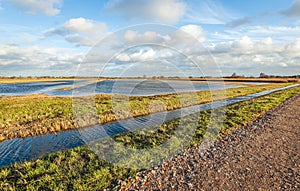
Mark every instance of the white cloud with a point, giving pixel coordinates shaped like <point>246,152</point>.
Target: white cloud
<point>30,60</point>
<point>221,47</point>
<point>81,31</point>
<point>195,30</point>
<point>182,39</point>
<point>166,11</point>
<point>166,54</point>
<point>267,45</point>
<point>84,26</point>
<point>246,55</point>
<point>123,57</point>
<point>148,36</point>
<point>141,55</point>
<point>267,41</point>
<point>243,44</point>
<point>293,49</point>
<point>48,7</point>
<point>145,46</point>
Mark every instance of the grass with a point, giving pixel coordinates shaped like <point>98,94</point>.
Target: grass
<point>39,114</point>
<point>237,115</point>
<point>81,169</point>
<point>75,169</point>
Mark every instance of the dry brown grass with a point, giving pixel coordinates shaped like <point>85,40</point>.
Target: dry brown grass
<point>274,80</point>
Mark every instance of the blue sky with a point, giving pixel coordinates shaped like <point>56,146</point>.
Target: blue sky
<point>57,37</point>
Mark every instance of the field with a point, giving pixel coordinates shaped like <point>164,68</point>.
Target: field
<point>40,114</point>
<point>81,169</point>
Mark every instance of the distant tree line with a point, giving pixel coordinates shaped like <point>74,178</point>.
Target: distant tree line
<point>234,75</point>
<point>262,75</point>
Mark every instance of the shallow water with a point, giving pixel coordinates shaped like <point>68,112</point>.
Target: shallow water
<point>140,87</point>
<point>27,88</point>
<point>125,87</point>
<point>18,149</point>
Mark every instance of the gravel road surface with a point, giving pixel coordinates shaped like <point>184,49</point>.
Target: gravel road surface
<point>264,155</point>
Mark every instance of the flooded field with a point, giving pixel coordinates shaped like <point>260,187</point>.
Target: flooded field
<point>125,87</point>
<point>12,89</point>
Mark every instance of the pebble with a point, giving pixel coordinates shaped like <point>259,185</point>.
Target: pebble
<point>254,157</point>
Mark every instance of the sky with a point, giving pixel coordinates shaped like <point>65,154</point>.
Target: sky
<point>149,37</point>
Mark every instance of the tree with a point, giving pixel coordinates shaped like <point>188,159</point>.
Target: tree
<point>263,75</point>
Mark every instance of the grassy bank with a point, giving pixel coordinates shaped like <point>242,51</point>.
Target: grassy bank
<point>39,114</point>
<point>247,79</point>
<point>81,169</point>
